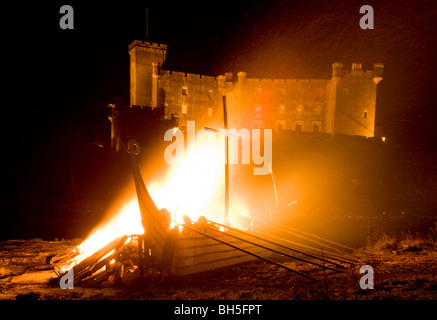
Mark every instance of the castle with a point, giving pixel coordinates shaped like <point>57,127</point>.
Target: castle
<point>344,104</point>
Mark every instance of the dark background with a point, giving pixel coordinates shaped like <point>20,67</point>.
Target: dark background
<point>58,83</point>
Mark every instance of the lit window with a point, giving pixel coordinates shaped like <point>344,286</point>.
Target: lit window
<point>209,112</point>
<point>299,109</point>
<point>184,109</point>
<point>317,109</point>
<point>184,91</point>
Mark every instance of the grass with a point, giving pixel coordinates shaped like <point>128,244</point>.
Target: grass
<point>424,240</point>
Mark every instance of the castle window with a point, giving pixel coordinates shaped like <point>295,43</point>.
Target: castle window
<point>282,109</point>
<point>316,126</point>
<point>299,109</point>
<point>345,92</point>
<point>283,91</point>
<point>281,125</point>
<point>210,94</point>
<point>184,91</point>
<point>365,114</point>
<point>298,127</point>
<point>258,123</point>
<point>209,112</point>
<point>184,109</point>
<point>258,92</point>
<point>317,110</point>
<point>319,93</point>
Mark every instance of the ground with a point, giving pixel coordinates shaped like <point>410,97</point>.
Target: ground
<point>410,273</point>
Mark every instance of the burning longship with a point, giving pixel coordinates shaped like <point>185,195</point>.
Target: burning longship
<point>186,247</point>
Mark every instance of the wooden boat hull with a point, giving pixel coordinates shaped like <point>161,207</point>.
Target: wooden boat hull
<point>197,253</point>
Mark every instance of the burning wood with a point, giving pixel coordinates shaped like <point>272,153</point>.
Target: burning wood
<point>102,268</point>
<point>181,249</point>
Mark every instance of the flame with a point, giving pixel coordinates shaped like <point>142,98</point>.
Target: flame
<point>192,187</point>
<point>126,222</point>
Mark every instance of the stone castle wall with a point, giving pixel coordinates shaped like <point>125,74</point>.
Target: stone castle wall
<point>344,104</point>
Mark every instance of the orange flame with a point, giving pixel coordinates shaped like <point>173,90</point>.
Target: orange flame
<point>193,187</point>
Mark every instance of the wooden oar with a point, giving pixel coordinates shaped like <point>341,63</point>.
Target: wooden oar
<point>278,244</point>
<point>276,251</point>
<point>247,252</point>
<point>330,255</point>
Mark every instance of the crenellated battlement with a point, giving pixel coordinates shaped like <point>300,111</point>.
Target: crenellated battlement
<point>268,81</point>
<point>185,76</point>
<point>147,45</point>
<point>357,70</point>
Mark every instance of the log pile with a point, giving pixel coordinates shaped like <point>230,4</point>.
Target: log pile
<point>104,267</point>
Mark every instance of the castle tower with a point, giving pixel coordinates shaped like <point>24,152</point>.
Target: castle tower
<point>377,72</point>
<point>355,100</point>
<point>241,78</point>
<point>331,97</point>
<point>145,61</point>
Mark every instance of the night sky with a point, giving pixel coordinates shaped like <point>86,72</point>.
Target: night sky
<point>57,79</point>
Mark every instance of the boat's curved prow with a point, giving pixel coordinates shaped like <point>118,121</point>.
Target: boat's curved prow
<point>157,232</point>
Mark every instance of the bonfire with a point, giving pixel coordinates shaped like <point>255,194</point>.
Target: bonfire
<point>145,236</point>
